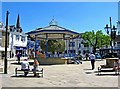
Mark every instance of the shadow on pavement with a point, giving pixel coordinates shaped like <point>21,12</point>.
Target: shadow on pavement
<point>31,63</point>
<point>16,63</point>
<point>88,72</point>
<point>22,76</point>
<point>108,75</point>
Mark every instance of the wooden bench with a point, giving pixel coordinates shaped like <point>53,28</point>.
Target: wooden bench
<point>106,69</point>
<point>29,71</point>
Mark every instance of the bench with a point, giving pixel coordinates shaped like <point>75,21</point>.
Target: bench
<point>29,71</point>
<point>106,69</point>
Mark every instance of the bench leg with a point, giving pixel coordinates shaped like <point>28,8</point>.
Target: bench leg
<point>116,72</point>
<point>15,71</point>
<point>99,71</point>
<point>42,72</point>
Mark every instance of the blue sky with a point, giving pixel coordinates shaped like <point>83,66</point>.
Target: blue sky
<point>77,16</point>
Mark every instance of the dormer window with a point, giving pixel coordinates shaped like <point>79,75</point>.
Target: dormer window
<point>17,37</point>
<point>17,30</point>
<point>23,38</point>
<point>20,30</point>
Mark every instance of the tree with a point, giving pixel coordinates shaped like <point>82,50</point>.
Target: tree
<point>96,40</point>
<point>53,45</point>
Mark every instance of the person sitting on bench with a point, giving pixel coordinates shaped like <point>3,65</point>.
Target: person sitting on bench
<point>25,66</point>
<point>116,65</point>
<point>35,67</point>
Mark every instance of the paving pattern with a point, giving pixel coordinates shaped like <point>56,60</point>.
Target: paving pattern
<point>66,75</point>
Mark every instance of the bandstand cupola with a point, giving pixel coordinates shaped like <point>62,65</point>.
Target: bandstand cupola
<point>53,23</point>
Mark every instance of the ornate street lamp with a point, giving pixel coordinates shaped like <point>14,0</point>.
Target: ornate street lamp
<point>112,33</point>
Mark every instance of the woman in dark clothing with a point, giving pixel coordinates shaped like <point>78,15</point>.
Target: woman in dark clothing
<point>18,57</point>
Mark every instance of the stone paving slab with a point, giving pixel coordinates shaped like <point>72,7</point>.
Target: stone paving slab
<point>70,75</point>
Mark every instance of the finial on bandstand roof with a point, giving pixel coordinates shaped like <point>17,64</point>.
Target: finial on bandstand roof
<point>53,22</point>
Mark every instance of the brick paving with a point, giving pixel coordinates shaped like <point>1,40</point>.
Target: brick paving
<point>66,75</point>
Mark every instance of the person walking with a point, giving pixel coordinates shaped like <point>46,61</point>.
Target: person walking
<point>86,56</point>
<point>92,59</point>
<point>18,57</point>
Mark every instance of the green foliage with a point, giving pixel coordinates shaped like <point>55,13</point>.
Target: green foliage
<point>42,45</point>
<point>96,40</point>
<point>53,45</point>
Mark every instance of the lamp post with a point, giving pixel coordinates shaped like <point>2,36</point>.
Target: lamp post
<point>112,33</point>
<point>6,37</point>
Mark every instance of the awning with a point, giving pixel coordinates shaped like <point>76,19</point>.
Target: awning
<point>21,48</point>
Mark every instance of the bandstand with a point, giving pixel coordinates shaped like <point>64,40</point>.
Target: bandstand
<point>53,31</point>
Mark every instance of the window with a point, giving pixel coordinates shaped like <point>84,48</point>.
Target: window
<point>17,37</point>
<point>0,42</point>
<point>79,45</point>
<point>72,44</point>
<point>23,38</point>
<point>0,34</point>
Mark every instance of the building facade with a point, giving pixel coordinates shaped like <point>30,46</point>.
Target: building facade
<point>76,46</point>
<point>18,40</point>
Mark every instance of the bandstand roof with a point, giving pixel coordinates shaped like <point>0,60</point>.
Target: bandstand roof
<point>54,32</point>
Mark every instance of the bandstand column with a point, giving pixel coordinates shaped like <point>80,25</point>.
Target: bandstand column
<point>46,46</point>
<point>69,47</point>
<point>72,47</point>
<point>35,46</point>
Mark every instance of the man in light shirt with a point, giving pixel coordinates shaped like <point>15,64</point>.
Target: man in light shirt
<point>25,66</point>
<point>92,58</point>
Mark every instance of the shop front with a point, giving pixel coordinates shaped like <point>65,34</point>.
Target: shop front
<point>21,50</point>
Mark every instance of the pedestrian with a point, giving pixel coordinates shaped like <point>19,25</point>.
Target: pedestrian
<point>92,59</point>
<point>77,59</point>
<point>116,66</point>
<point>86,56</point>
<point>18,57</point>
<point>25,66</point>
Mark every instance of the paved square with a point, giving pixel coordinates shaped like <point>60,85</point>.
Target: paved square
<point>66,75</point>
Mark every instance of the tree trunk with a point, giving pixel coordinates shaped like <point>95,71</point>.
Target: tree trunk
<point>94,50</point>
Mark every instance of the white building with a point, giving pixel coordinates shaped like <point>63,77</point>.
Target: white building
<point>18,40</point>
<point>75,46</point>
